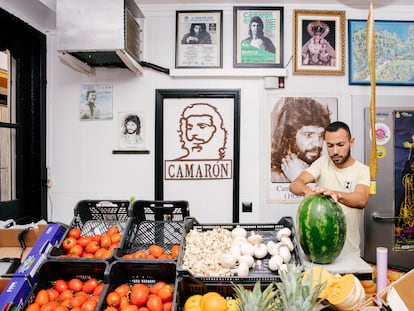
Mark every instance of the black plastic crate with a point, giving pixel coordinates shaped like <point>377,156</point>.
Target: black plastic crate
<point>153,222</point>
<point>261,269</point>
<point>188,286</point>
<point>130,272</point>
<point>52,270</point>
<point>95,217</point>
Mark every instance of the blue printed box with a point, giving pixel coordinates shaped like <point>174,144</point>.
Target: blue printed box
<point>50,237</point>
<point>15,294</point>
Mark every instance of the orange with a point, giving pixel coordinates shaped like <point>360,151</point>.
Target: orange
<point>192,301</point>
<point>194,308</point>
<point>232,305</point>
<point>213,301</point>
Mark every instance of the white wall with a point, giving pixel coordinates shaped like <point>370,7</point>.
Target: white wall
<point>79,154</point>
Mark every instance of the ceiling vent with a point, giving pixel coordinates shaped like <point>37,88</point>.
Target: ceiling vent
<point>99,33</point>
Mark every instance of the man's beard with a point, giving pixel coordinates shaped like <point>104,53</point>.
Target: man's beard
<point>342,159</point>
<point>306,157</point>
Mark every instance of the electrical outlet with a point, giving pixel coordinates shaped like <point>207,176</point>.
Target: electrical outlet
<point>247,207</point>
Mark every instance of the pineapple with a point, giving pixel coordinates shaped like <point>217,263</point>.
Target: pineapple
<point>293,294</point>
<point>256,299</point>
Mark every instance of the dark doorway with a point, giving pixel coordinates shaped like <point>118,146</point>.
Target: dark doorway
<point>26,46</point>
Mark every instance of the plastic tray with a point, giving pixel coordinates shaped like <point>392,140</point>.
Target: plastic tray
<point>129,272</point>
<point>52,270</point>
<point>153,222</point>
<point>95,217</point>
<point>260,271</point>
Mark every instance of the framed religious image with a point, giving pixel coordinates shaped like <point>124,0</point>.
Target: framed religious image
<point>296,131</point>
<point>197,151</point>
<point>394,57</point>
<point>257,36</point>
<point>131,130</point>
<point>199,39</point>
<point>319,42</point>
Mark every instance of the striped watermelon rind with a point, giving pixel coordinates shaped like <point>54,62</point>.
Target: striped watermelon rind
<point>321,228</point>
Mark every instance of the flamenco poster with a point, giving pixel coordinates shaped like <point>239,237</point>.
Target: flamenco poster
<point>404,180</point>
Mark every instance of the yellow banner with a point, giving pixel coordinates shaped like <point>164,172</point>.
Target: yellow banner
<point>370,37</point>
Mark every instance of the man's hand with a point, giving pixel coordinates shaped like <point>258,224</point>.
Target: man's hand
<point>292,166</point>
<point>327,192</point>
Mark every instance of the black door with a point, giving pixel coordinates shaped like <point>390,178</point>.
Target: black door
<point>23,123</point>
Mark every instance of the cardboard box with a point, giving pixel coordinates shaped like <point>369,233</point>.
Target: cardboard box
<point>11,248</point>
<point>15,294</point>
<point>401,291</point>
<point>50,237</point>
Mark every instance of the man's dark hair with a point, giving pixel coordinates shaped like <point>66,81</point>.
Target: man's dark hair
<point>295,113</point>
<point>134,118</point>
<point>335,126</point>
<point>202,27</point>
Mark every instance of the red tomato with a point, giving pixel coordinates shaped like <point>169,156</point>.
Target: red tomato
<point>66,294</point>
<point>76,250</point>
<point>139,294</point>
<point>60,285</point>
<point>155,250</point>
<point>113,299</point>
<point>42,297</point>
<point>106,241</point>
<point>68,243</point>
<point>175,249</point>
<point>84,241</point>
<point>75,284</point>
<point>90,285</point>
<point>140,254</point>
<point>109,308</point>
<point>130,308</point>
<point>154,303</point>
<point>98,289</point>
<point>97,238</point>
<point>143,309</point>
<point>156,286</point>
<point>74,233</point>
<point>49,306</point>
<point>124,303</point>
<point>89,305</point>
<point>53,294</point>
<point>112,230</point>
<point>122,289</point>
<point>92,247</point>
<point>33,307</point>
<point>77,301</point>
<point>166,293</point>
<point>61,308</point>
<point>116,238</point>
<point>167,306</point>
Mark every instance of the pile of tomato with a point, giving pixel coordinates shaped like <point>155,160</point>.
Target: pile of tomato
<point>72,295</point>
<point>155,251</point>
<point>94,246</point>
<point>140,297</point>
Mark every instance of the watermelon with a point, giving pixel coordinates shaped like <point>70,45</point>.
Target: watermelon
<point>321,228</point>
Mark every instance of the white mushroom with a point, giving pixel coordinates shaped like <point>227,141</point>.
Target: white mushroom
<point>255,238</point>
<point>238,232</point>
<point>275,262</point>
<point>247,249</point>
<point>288,242</point>
<point>285,253</point>
<point>247,259</point>
<point>260,250</point>
<point>285,231</point>
<point>273,248</point>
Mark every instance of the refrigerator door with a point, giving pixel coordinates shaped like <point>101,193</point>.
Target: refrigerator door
<point>384,224</point>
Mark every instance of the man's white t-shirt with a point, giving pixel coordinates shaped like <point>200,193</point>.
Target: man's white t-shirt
<point>327,175</point>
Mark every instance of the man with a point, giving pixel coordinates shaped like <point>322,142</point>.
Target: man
<point>131,136</point>
<point>297,136</point>
<point>88,108</point>
<point>197,35</point>
<point>341,177</point>
<point>202,132</point>
<point>256,36</point>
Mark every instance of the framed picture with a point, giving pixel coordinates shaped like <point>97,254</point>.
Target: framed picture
<point>257,36</point>
<point>197,151</point>
<point>394,57</point>
<point>95,102</point>
<point>294,144</point>
<point>199,39</point>
<point>131,130</point>
<point>319,42</point>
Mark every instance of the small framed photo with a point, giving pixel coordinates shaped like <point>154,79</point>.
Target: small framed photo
<point>131,130</point>
<point>394,58</point>
<point>257,37</point>
<point>199,39</point>
<point>319,42</point>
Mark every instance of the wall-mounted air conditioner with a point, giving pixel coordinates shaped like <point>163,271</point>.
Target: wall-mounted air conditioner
<point>99,33</point>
